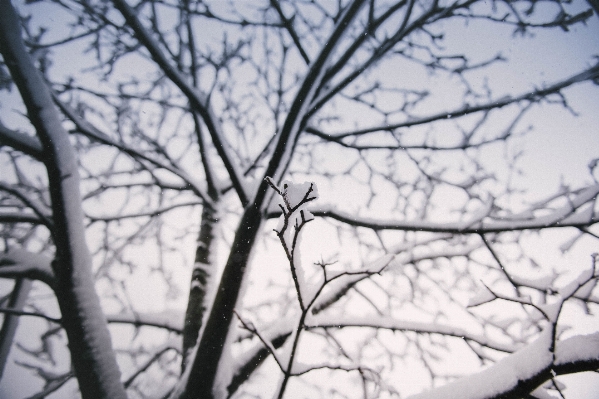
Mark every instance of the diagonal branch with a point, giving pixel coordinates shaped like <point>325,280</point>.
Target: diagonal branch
<point>520,373</point>
<point>531,96</point>
<point>393,324</point>
<point>16,302</point>
<point>92,356</point>
<point>289,26</point>
<point>209,350</point>
<point>19,263</point>
<point>301,108</point>
<point>198,101</point>
<point>37,208</point>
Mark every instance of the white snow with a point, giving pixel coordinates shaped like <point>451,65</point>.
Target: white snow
<point>500,377</point>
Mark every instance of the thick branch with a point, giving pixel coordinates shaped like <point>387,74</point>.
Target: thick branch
<point>297,118</point>
<point>520,373</point>
<point>92,356</point>
<point>210,348</point>
<point>11,322</point>
<point>199,288</point>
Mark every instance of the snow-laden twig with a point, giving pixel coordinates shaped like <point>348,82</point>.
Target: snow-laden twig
<point>520,373</point>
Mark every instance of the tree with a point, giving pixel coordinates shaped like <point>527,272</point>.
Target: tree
<point>142,128</point>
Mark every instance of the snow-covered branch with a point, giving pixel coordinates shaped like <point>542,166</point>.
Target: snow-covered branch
<point>520,373</point>
<point>394,324</point>
<point>569,215</point>
<point>92,356</point>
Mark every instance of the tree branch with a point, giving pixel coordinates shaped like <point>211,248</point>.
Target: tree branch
<point>565,216</point>
<point>21,142</point>
<point>92,356</point>
<point>198,101</point>
<point>534,95</point>
<point>520,373</point>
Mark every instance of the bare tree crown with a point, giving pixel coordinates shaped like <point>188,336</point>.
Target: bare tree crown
<point>157,241</point>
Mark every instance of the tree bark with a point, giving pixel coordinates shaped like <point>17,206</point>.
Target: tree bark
<point>200,276</point>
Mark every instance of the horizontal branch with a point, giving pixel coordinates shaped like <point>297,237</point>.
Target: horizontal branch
<point>139,320</point>
<point>163,321</point>
<point>19,217</point>
<point>155,212</point>
<point>17,312</point>
<point>389,323</point>
<point>565,216</point>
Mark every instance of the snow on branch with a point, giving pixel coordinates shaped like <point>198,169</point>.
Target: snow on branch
<point>567,215</point>
<point>393,324</point>
<point>532,96</point>
<point>294,217</point>
<point>580,288</point>
<point>520,373</point>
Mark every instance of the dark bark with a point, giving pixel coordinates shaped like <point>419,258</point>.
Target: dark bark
<point>200,276</point>
<point>205,364</point>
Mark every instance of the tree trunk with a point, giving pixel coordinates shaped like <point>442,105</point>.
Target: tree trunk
<point>200,276</point>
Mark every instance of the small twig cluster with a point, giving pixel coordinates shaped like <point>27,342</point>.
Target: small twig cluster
<point>293,219</point>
